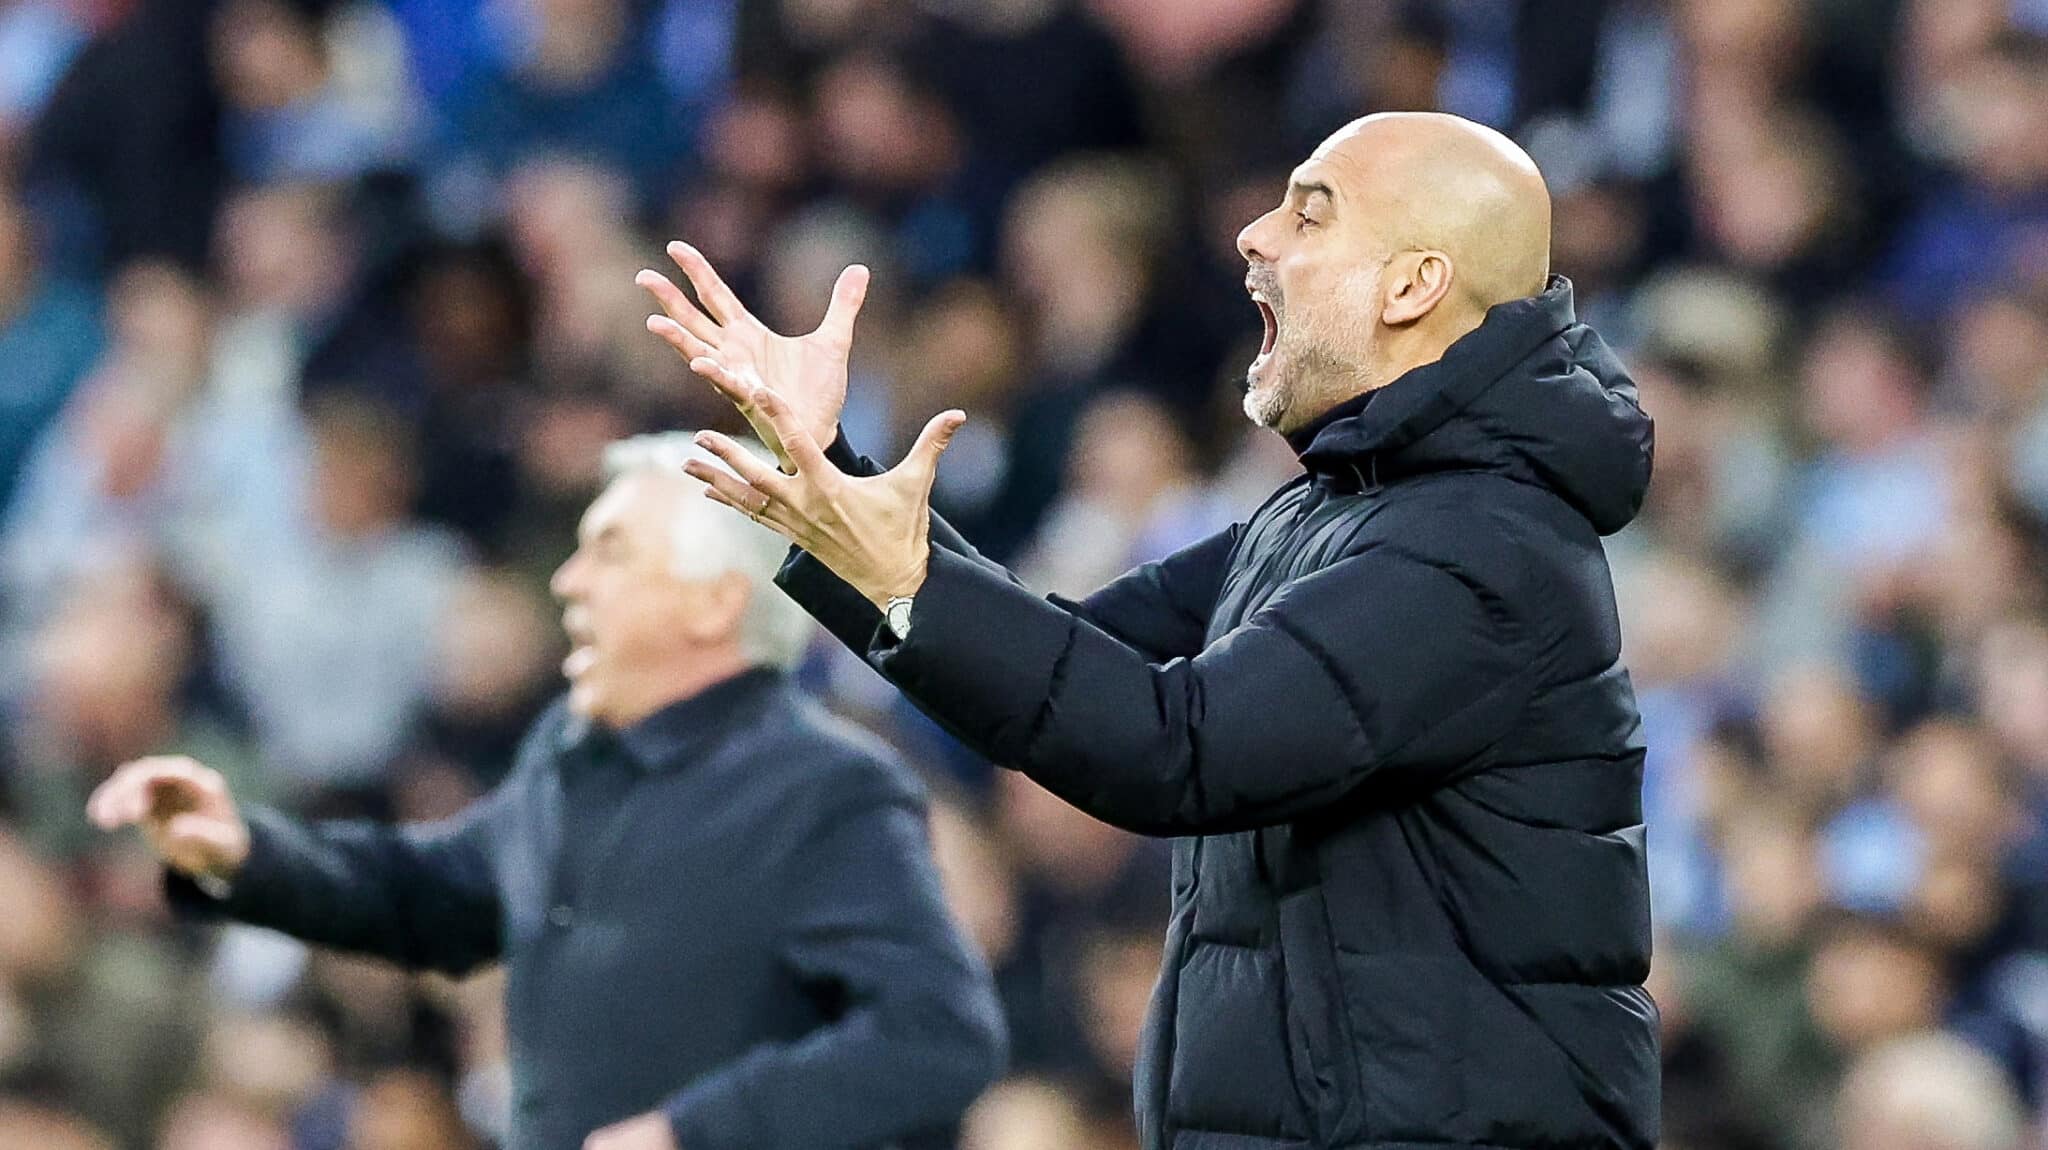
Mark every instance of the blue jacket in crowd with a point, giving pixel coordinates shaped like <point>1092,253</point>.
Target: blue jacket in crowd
<point>727,911</point>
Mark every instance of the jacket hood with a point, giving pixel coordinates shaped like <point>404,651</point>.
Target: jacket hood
<point>1530,393</point>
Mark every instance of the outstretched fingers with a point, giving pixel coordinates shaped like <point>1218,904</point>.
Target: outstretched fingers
<point>750,468</point>
<point>936,437</point>
<point>114,804</point>
<point>722,486</point>
<point>133,791</point>
<point>677,307</point>
<point>679,337</point>
<point>847,296</point>
<point>796,443</point>
<point>719,300</point>
<point>737,389</point>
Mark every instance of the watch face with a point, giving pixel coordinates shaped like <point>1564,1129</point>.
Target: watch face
<point>899,618</point>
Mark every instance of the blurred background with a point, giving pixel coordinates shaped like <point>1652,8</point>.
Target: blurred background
<point>315,315</point>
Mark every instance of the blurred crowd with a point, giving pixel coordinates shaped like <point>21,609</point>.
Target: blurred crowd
<point>315,315</point>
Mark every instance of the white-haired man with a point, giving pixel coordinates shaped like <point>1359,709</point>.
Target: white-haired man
<point>717,907</point>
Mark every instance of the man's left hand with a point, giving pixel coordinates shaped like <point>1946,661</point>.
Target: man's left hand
<point>646,1132</point>
<point>874,532</point>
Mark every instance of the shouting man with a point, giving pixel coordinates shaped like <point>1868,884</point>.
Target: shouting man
<point>1385,717</point>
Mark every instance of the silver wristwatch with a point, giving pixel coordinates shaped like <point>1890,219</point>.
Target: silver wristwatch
<point>213,886</point>
<point>897,615</point>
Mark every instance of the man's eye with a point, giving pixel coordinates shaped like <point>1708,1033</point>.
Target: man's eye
<point>1302,221</point>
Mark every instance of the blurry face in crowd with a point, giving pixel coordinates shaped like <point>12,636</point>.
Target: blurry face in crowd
<point>1998,109</point>
<point>1861,393</point>
<point>631,619</point>
<point>1314,271</point>
<point>980,887</point>
<point>1773,881</point>
<point>1866,986</point>
<point>1127,452</point>
<point>264,56</point>
<point>362,471</point>
<point>491,653</point>
<point>1118,971</point>
<point>406,1110</point>
<point>25,1124</point>
<point>284,249</point>
<point>210,1122</point>
<point>1024,1114</point>
<point>1948,779</point>
<point>14,250</point>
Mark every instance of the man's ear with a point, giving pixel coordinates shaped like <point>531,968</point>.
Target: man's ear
<point>722,606</point>
<point>1414,284</point>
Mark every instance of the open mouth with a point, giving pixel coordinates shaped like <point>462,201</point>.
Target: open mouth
<point>575,624</point>
<point>1272,334</point>
<point>579,662</point>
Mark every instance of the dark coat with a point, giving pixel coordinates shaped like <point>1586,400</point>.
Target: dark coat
<point>752,937</point>
<point>1388,721</point>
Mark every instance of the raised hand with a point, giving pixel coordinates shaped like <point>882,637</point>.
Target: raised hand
<point>873,532</point>
<point>808,371</point>
<point>184,810</point>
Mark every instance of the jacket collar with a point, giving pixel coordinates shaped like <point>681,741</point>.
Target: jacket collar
<point>685,731</point>
<point>1424,398</point>
<point>1530,393</point>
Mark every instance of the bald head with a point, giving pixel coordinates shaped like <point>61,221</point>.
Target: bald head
<point>1440,181</point>
<point>1395,237</point>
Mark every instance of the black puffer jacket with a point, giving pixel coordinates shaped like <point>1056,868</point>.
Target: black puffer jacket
<point>1389,720</point>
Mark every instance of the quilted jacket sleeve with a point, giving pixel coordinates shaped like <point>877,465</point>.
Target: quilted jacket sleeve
<point>1161,610</point>
<point>1384,671</point>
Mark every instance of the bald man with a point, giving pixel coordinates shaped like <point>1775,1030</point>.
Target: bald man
<point>1385,718</point>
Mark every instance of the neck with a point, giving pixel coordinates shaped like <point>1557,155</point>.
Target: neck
<point>1399,351</point>
<point>672,686</point>
<point>1423,342</point>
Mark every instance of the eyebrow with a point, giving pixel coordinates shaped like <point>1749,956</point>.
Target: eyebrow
<point>1306,189</point>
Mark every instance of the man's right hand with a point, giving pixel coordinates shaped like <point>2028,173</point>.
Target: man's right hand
<point>737,353</point>
<point>184,810</point>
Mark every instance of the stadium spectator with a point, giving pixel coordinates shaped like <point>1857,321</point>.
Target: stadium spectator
<point>1727,175</point>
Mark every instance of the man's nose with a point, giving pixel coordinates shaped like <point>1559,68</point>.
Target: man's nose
<point>1249,241</point>
<point>560,583</point>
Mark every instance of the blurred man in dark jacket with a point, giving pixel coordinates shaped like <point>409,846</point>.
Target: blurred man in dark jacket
<point>1386,717</point>
<point>716,905</point>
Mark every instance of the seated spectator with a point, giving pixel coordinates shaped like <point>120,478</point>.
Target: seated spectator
<point>326,630</point>
<point>49,337</point>
<point>289,117</point>
<point>576,83</point>
<point>116,475</point>
<point>1986,227</point>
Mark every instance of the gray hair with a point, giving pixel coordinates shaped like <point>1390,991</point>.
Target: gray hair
<point>708,540</point>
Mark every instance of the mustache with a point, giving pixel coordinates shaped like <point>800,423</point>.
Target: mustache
<point>1261,278</point>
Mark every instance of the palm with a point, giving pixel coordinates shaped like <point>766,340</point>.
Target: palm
<point>808,371</point>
